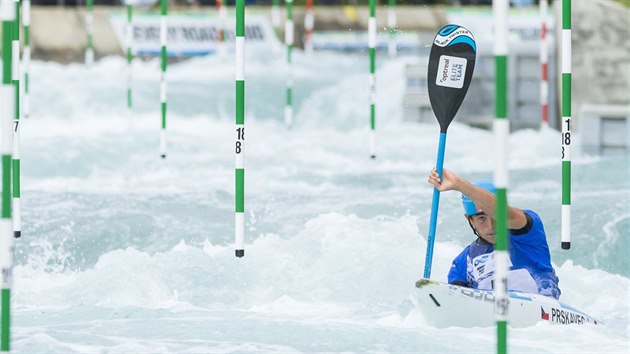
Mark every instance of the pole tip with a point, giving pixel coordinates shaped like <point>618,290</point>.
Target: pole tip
<point>17,234</point>
<point>373,157</point>
<point>240,253</point>
<point>163,156</point>
<point>566,245</point>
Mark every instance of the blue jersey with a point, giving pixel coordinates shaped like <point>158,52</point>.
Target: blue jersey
<point>530,268</point>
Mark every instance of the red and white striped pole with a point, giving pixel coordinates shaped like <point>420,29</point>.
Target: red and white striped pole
<point>544,59</point>
<point>309,22</point>
<point>218,4</point>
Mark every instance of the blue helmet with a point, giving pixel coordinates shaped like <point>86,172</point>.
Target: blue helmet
<point>469,206</point>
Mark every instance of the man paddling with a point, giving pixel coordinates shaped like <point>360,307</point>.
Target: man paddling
<point>530,269</point>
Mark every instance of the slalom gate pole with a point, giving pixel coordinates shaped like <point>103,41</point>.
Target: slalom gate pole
<point>391,26</point>
<point>372,78</point>
<point>222,16</point>
<point>501,134</point>
<point>288,40</point>
<point>309,22</point>
<point>26,64</point>
<point>89,26</point>
<point>15,168</point>
<point>7,113</point>
<point>566,125</point>
<point>163,39</point>
<point>275,16</point>
<point>544,59</point>
<point>219,5</point>
<point>129,45</point>
<point>239,230</point>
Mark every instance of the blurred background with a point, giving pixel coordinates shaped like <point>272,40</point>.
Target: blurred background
<point>600,40</point>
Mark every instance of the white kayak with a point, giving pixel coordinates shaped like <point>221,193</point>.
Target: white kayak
<point>446,305</point>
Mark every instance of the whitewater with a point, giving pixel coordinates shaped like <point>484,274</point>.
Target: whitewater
<point>125,252</point>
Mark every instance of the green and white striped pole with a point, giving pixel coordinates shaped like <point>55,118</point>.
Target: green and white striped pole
<point>15,51</point>
<point>129,45</point>
<point>163,35</point>
<point>391,26</point>
<point>239,210</point>
<point>288,40</point>
<point>26,64</point>
<point>89,25</point>
<point>275,16</point>
<point>7,112</point>
<point>501,134</point>
<point>372,79</point>
<point>566,125</point>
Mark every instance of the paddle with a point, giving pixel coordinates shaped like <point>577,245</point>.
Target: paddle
<point>451,65</point>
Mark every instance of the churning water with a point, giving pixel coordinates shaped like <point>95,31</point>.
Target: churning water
<point>125,252</point>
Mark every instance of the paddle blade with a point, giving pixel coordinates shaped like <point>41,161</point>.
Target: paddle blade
<point>451,65</point>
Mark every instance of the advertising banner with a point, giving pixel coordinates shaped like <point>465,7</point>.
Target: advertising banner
<point>189,34</point>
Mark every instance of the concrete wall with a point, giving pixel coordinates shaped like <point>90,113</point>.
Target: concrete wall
<point>59,33</point>
<point>601,52</point>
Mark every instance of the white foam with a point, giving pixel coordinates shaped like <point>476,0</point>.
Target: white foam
<point>125,252</point>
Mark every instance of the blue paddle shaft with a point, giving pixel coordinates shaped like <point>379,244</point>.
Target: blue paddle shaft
<point>434,208</point>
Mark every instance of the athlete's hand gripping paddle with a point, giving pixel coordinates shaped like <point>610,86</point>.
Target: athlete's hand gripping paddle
<point>451,65</point>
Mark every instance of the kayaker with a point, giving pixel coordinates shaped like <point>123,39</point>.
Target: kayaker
<point>530,269</point>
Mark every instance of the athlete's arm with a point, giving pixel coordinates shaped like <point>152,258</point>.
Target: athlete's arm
<point>485,200</point>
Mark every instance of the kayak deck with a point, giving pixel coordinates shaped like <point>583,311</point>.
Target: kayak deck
<point>447,305</point>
